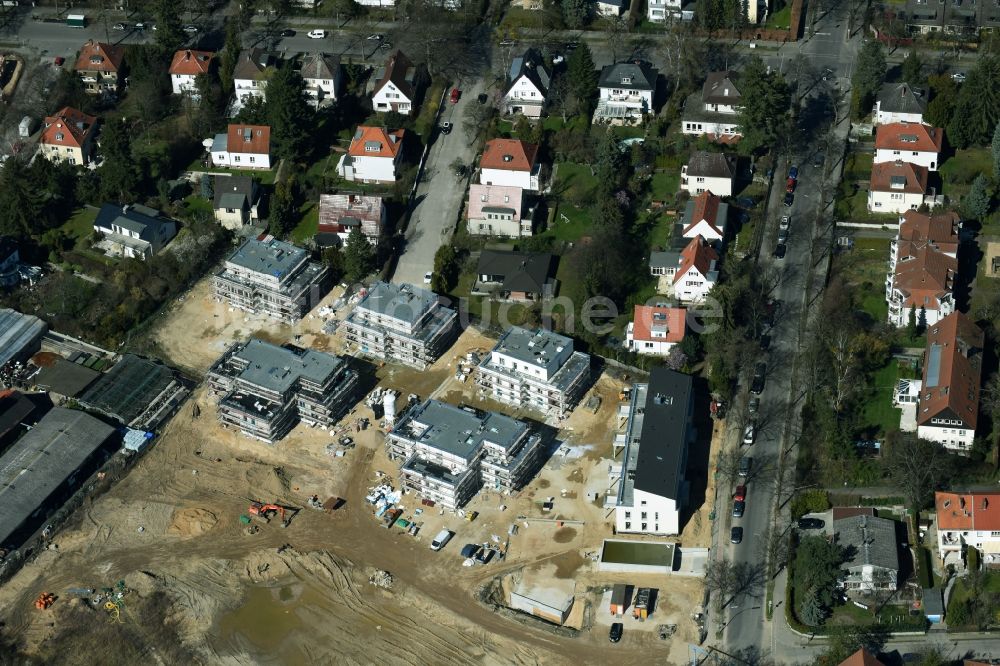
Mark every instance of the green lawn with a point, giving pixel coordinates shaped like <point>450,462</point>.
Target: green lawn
<point>631,132</point>
<point>196,204</point>
<point>961,591</point>
<point>569,223</point>
<point>554,123</point>
<point>81,225</point>
<point>959,170</point>
<point>858,165</point>
<point>660,230</point>
<point>306,228</point>
<point>665,185</point>
<point>896,617</point>
<point>878,411</point>
<point>780,20</point>
<point>864,269</point>
<point>575,181</point>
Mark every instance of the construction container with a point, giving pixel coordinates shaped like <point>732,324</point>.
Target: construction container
<point>641,608</point>
<point>619,599</point>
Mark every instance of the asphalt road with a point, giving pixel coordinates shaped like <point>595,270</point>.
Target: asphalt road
<point>440,194</point>
<point>744,622</point>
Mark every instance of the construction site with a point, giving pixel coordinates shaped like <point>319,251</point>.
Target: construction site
<point>305,550</point>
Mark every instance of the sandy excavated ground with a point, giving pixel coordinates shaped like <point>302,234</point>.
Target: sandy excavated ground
<point>173,525</point>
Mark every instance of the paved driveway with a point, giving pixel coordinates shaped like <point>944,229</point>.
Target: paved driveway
<point>440,195</point>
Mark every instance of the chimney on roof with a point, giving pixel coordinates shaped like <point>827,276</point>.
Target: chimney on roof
<point>961,502</point>
<point>986,503</point>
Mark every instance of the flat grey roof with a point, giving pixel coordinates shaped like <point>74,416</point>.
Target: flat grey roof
<point>273,257</point>
<point>458,431</point>
<point>400,301</point>
<point>664,259</point>
<point>278,368</point>
<point>534,347</point>
<point>18,331</point>
<point>66,378</point>
<point>872,541</point>
<point>128,388</point>
<point>45,457</point>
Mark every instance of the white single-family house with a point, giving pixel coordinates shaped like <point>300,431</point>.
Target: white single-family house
<point>243,147</point>
<point>626,93</point>
<point>510,162</point>
<point>896,187</point>
<point>713,112</point>
<point>915,143</point>
<point>708,172</point>
<point>394,86</point>
<point>923,264</point>
<point>322,75</point>
<point>374,155</point>
<point>968,520</point>
<point>185,67</point>
<point>899,103</point>
<point>528,85</point>
<point>705,216</point>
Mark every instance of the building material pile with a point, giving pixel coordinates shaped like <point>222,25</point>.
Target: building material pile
<point>381,579</point>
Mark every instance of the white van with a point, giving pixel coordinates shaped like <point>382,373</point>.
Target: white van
<point>443,537</point>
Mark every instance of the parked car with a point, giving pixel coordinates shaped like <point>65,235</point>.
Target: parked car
<point>759,372</point>
<point>753,406</point>
<point>385,46</point>
<point>615,634</point>
<point>741,493</point>
<point>789,199</point>
<point>482,98</point>
<point>782,236</point>
<point>738,509</point>
<point>287,32</point>
<point>736,535</point>
<point>427,277</point>
<point>780,250</point>
<point>793,172</point>
<point>786,221</point>
<point>119,26</point>
<point>749,432</point>
<point>456,94</point>
<point>316,34</point>
<point>818,160</point>
<point>811,524</point>
<point>958,77</point>
<point>746,462</point>
<point>376,36</point>
<point>140,26</point>
<point>445,128</point>
<point>443,537</point>
<point>190,29</point>
<point>790,185</point>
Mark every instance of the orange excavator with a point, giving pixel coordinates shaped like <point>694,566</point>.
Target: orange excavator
<point>266,511</point>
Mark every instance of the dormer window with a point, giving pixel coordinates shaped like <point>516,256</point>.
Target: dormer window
<point>60,136</point>
<point>626,80</point>
<point>373,146</point>
<point>247,135</point>
<point>96,60</point>
<point>897,182</point>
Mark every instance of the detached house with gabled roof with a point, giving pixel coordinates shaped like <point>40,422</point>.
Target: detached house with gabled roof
<point>68,136</point>
<point>915,143</point>
<point>134,231</point>
<point>498,210</point>
<point>243,147</point>
<point>250,75</point>
<point>373,156</point>
<point>899,103</point>
<point>708,172</point>
<point>896,187</point>
<point>101,67</point>
<point>395,85</point>
<point>626,93</point>
<point>322,75</point>
<point>527,86</point>
<point>655,329</point>
<point>948,403</point>
<point>713,111</point>
<point>186,66</point>
<point>511,163</point>
<point>697,272</point>
<point>236,201</point>
<point>923,262</point>
<point>968,520</point>
<point>705,216</point>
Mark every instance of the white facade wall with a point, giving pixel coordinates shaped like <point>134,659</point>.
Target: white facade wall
<point>244,88</point>
<point>389,94</point>
<point>954,437</point>
<point>699,127</point>
<point>640,100</point>
<point>646,347</point>
<point>523,179</point>
<point>881,201</point>
<point>705,230</point>
<point>887,117</point>
<point>524,94</point>
<point>722,187</point>
<point>182,83</point>
<point>901,317</point>
<point>241,160</point>
<point>927,159</point>
<point>662,515</point>
<point>369,169</point>
<point>693,287</point>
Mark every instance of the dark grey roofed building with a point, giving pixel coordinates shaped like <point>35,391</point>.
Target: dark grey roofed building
<point>628,76</point>
<point>450,452</point>
<point>401,323</point>
<point>658,431</point>
<point>45,466</point>
<point>720,88</point>
<point>134,231</point>
<point>710,165</point>
<point>515,275</point>
<point>532,66</point>
<point>138,392</point>
<point>873,552</point>
<point>661,262</point>
<point>898,102</point>
<point>20,335</point>
<point>65,378</point>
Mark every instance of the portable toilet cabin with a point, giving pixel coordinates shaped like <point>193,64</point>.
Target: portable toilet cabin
<point>619,599</point>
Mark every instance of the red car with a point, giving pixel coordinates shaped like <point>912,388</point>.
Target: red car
<point>790,185</point>
<point>741,494</point>
<point>455,94</point>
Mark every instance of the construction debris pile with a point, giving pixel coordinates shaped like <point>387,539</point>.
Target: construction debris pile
<point>381,579</point>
